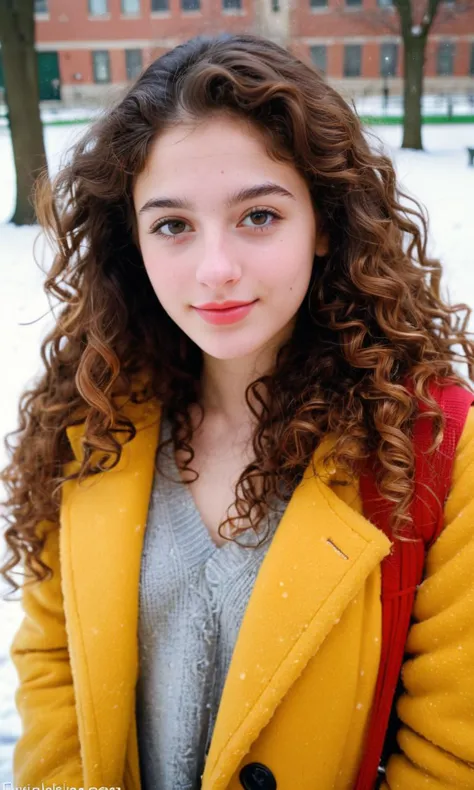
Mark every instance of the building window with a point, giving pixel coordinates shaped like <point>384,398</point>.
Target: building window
<point>130,7</point>
<point>352,60</point>
<point>160,5</point>
<point>41,6</point>
<point>101,66</point>
<point>385,3</point>
<point>190,5</point>
<point>353,3</point>
<point>133,63</point>
<point>231,5</point>
<point>445,60</point>
<point>319,57</point>
<point>388,59</point>
<point>98,7</point>
<point>319,3</point>
<point>471,63</point>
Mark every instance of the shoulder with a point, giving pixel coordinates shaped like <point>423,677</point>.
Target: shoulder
<point>458,532</point>
<point>462,489</point>
<point>435,708</point>
<point>464,456</point>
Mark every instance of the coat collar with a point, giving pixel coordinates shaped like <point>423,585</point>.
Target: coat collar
<point>321,555</point>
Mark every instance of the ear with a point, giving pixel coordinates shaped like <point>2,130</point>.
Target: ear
<point>321,246</point>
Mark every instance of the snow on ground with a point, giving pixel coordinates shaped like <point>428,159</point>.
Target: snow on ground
<point>438,176</point>
<point>432,104</point>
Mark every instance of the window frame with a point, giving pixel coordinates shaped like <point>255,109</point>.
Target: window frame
<point>128,53</point>
<point>232,9</point>
<point>102,14</point>
<point>323,48</point>
<point>94,54</point>
<point>443,47</point>
<point>190,10</point>
<point>354,47</point>
<point>123,12</point>
<point>396,49</point>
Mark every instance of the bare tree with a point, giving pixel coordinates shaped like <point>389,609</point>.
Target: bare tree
<point>17,37</point>
<point>415,36</point>
<point>414,22</point>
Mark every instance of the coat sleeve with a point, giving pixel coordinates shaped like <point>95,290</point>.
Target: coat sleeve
<point>436,710</point>
<point>48,748</point>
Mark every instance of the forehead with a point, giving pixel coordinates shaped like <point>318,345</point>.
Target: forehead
<point>208,138</point>
<point>217,150</point>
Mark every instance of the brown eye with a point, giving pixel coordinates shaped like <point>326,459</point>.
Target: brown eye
<point>259,216</point>
<point>175,226</point>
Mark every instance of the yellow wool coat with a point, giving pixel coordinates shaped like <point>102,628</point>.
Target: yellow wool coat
<point>299,690</point>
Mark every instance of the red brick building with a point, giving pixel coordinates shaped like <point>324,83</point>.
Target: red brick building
<point>89,48</point>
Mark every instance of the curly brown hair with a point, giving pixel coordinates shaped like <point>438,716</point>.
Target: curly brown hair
<point>372,320</point>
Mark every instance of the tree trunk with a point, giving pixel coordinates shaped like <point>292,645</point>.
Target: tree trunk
<point>17,36</point>
<point>414,61</point>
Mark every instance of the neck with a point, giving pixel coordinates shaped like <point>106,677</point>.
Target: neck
<point>224,382</point>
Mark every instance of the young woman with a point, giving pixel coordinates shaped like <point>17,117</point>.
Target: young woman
<point>244,296</point>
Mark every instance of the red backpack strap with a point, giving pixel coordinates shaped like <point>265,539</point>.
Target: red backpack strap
<point>402,569</point>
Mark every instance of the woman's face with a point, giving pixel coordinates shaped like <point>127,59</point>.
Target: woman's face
<point>219,220</point>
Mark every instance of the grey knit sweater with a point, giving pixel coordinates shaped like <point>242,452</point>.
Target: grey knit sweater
<point>192,599</point>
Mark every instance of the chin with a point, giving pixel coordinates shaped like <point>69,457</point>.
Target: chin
<point>226,348</point>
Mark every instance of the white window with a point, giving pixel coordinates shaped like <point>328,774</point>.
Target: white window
<point>98,7</point>
<point>130,7</point>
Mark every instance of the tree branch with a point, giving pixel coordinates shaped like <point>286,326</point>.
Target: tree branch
<point>428,16</point>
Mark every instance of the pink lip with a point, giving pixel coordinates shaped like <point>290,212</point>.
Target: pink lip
<point>226,315</point>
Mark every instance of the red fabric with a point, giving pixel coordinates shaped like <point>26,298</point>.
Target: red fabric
<point>402,569</point>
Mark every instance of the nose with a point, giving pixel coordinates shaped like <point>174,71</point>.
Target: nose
<point>217,264</point>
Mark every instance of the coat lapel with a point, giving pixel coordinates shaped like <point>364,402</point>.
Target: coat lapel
<point>102,527</point>
<point>320,556</point>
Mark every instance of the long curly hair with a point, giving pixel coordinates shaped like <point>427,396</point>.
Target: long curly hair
<point>372,319</point>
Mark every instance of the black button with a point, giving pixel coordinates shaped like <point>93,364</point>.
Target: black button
<point>256,776</point>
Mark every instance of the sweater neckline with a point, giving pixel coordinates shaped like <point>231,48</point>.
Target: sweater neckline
<point>180,494</point>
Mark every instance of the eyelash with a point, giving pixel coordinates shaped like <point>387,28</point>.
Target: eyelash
<point>156,229</point>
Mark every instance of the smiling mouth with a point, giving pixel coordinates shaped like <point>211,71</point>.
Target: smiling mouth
<point>214,307</point>
<point>227,315</point>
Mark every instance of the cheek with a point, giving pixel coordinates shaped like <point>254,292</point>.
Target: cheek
<point>290,264</point>
<point>163,277</point>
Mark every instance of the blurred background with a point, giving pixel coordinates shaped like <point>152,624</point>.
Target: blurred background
<point>407,67</point>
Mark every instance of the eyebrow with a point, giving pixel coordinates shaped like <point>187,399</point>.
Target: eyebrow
<point>246,193</point>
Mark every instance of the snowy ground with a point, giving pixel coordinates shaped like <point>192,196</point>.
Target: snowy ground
<point>439,177</point>
<point>432,104</point>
